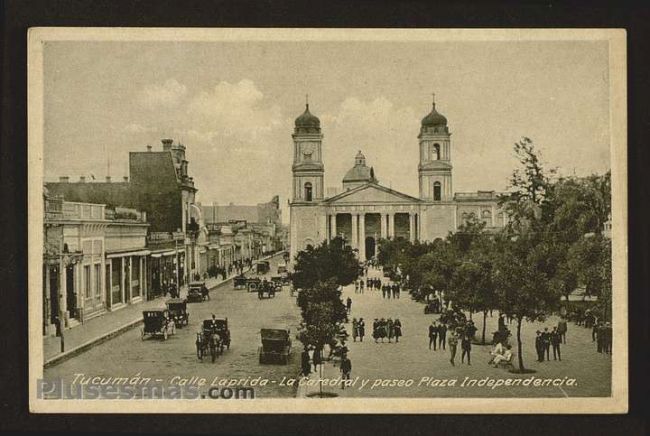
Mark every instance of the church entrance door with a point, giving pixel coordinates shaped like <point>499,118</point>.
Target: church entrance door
<point>370,247</point>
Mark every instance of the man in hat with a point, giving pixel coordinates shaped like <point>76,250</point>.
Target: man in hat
<point>539,346</point>
<point>433,335</point>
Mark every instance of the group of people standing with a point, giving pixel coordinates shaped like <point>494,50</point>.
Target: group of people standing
<point>386,328</point>
<point>545,340</point>
<point>358,329</point>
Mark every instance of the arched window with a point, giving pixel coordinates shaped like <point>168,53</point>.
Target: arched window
<point>437,191</point>
<point>436,151</point>
<point>307,191</point>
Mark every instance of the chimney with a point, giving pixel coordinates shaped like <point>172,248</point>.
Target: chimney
<point>64,179</point>
<point>148,148</point>
<point>108,179</point>
<point>167,144</point>
<point>82,179</point>
<point>126,178</point>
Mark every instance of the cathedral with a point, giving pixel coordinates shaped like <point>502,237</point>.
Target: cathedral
<point>364,211</point>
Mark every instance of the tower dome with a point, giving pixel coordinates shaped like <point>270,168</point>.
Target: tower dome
<point>307,122</point>
<point>434,118</point>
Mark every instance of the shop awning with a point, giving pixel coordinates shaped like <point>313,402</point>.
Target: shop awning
<point>128,253</point>
<point>167,253</point>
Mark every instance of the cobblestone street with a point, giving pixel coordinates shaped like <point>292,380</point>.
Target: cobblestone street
<point>127,355</point>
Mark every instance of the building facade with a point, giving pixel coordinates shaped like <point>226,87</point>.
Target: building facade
<point>159,184</point>
<point>93,260</point>
<point>365,211</point>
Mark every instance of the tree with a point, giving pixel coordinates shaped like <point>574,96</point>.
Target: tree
<point>473,283</point>
<point>588,259</point>
<point>329,260</point>
<point>522,289</point>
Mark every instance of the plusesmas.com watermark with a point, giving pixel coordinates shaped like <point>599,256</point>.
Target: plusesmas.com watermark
<point>57,389</point>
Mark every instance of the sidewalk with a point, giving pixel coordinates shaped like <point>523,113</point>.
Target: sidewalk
<point>102,328</point>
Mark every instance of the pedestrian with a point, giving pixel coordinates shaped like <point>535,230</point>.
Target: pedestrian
<point>356,286</point>
<point>562,329</point>
<point>394,289</point>
<point>362,329</point>
<point>600,337</point>
<point>304,363</point>
<point>317,358</point>
<point>354,329</point>
<point>383,291</point>
<point>608,338</point>
<point>346,369</point>
<point>466,346</point>
<point>375,329</point>
<point>501,323</point>
<point>453,343</point>
<point>546,341</point>
<point>349,304</point>
<point>397,326</point>
<point>539,346</point>
<point>361,285</point>
<point>390,327</point>
<point>594,327</point>
<point>442,334</point>
<point>433,335</point>
<point>556,340</point>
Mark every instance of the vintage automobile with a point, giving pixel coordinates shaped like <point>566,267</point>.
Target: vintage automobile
<point>197,291</point>
<point>252,284</point>
<point>276,346</point>
<point>209,340</point>
<point>178,311</point>
<point>240,282</point>
<point>278,281</point>
<point>262,267</point>
<point>157,323</point>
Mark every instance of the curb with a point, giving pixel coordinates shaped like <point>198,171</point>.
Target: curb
<point>88,344</point>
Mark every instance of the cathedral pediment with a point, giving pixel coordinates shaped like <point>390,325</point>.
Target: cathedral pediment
<point>371,193</point>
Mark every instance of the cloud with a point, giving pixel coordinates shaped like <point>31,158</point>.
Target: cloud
<point>381,131</point>
<point>234,111</point>
<point>138,128</point>
<point>168,94</point>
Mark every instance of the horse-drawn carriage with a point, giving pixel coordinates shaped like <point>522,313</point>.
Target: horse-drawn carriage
<point>197,292</point>
<point>276,346</point>
<point>240,281</point>
<point>262,267</point>
<point>157,323</point>
<point>213,338</point>
<point>268,289</point>
<point>178,311</point>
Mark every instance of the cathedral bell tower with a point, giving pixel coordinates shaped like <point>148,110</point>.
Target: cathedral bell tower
<point>308,169</point>
<point>434,170</point>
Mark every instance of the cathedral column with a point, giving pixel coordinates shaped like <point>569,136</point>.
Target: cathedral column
<point>411,227</point>
<point>362,237</point>
<point>333,226</point>
<point>391,225</point>
<point>355,236</point>
<point>383,226</point>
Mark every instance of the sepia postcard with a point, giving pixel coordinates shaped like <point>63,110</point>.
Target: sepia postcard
<point>327,220</point>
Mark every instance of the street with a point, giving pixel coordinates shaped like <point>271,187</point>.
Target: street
<point>411,358</point>
<point>127,355</point>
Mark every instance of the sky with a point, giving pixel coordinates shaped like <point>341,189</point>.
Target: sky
<point>233,105</point>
